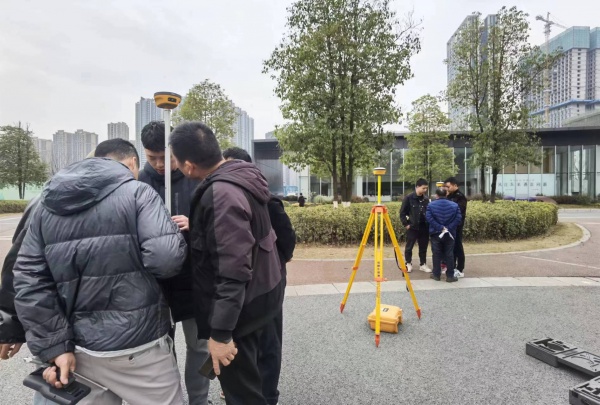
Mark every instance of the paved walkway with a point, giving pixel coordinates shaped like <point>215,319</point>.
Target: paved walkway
<point>582,260</point>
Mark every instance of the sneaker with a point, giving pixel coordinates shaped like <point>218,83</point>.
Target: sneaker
<point>459,274</point>
<point>434,277</point>
<point>409,267</point>
<point>425,268</point>
<point>451,279</point>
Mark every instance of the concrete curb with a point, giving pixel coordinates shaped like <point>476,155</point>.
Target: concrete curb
<point>368,287</point>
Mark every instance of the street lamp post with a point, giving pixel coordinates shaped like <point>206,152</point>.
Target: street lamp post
<point>167,101</point>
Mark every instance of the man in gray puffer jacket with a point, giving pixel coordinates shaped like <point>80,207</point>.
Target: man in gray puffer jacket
<point>85,280</point>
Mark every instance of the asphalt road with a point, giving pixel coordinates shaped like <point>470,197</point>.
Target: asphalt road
<point>468,348</point>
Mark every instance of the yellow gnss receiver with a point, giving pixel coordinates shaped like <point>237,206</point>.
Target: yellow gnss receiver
<point>167,100</point>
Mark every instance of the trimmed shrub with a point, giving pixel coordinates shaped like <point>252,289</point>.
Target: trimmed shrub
<point>322,199</point>
<point>503,220</point>
<point>12,206</point>
<point>573,199</point>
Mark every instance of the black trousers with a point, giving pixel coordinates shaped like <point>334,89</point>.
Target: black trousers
<point>240,381</point>
<point>459,251</point>
<point>422,237</point>
<point>443,250</point>
<point>269,358</point>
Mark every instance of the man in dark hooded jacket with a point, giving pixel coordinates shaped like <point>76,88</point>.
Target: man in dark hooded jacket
<point>85,280</point>
<point>269,358</point>
<point>238,285</point>
<point>178,289</point>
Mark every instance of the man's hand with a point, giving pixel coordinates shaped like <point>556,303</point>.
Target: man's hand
<point>182,222</point>
<point>221,353</point>
<point>8,350</point>
<point>407,227</point>
<point>66,363</point>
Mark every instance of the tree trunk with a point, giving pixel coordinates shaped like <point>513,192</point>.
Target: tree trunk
<point>482,190</point>
<point>493,191</point>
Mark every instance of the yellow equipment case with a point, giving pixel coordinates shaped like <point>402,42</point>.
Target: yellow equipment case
<point>391,316</point>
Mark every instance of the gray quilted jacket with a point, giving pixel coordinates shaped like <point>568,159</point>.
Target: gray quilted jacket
<point>86,272</point>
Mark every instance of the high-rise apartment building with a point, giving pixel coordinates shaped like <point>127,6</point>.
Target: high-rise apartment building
<point>457,114</point>
<point>574,80</point>
<point>243,128</point>
<point>145,112</point>
<point>70,147</point>
<point>118,130</point>
<point>44,150</point>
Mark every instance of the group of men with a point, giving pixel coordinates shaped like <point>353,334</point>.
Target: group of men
<point>100,273</point>
<point>441,221</point>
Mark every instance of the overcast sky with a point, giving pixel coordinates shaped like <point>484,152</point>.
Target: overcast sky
<point>82,64</point>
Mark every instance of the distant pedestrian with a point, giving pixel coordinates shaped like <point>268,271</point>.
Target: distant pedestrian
<point>443,217</point>
<point>455,195</point>
<point>412,216</point>
<point>301,200</point>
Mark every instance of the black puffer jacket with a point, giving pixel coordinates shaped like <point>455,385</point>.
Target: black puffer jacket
<point>178,290</point>
<point>11,329</point>
<point>237,273</point>
<point>86,272</point>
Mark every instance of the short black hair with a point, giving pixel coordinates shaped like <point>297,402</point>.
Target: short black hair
<point>196,143</point>
<point>422,182</point>
<point>237,153</point>
<point>441,192</point>
<point>153,136</point>
<point>117,149</point>
<point>452,180</point>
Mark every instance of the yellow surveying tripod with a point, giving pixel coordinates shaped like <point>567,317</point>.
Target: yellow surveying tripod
<point>379,215</point>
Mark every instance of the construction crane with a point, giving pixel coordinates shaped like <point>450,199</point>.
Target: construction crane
<point>548,23</point>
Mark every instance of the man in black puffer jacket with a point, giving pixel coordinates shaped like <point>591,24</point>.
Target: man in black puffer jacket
<point>178,289</point>
<point>85,280</point>
<point>238,285</point>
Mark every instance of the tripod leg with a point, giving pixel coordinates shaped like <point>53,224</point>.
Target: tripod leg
<point>363,243</point>
<point>378,273</point>
<point>388,223</point>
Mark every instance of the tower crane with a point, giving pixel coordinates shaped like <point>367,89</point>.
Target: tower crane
<point>548,23</point>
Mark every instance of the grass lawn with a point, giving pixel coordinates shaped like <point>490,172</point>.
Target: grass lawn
<point>561,234</point>
<point>573,206</point>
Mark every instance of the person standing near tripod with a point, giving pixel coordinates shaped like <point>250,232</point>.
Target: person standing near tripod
<point>455,195</point>
<point>412,216</point>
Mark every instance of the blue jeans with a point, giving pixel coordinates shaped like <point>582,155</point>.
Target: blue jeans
<point>443,249</point>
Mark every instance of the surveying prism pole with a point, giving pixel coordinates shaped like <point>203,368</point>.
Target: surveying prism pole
<point>380,218</point>
<point>167,101</point>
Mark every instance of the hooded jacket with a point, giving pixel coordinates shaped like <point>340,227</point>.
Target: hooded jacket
<point>178,290</point>
<point>235,264</point>
<point>11,329</point>
<point>86,272</point>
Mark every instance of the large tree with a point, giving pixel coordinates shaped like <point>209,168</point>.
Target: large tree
<point>20,164</point>
<point>495,71</point>
<point>208,103</point>
<point>428,155</point>
<point>337,71</point>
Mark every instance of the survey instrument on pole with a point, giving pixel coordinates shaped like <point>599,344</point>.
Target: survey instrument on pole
<point>378,218</point>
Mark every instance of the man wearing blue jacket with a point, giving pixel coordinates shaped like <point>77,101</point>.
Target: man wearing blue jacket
<point>443,217</point>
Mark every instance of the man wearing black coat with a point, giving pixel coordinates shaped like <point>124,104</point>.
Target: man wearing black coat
<point>412,216</point>
<point>178,289</point>
<point>455,195</point>
<point>269,358</point>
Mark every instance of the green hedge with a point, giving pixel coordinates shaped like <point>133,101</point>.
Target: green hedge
<point>573,199</point>
<point>501,221</point>
<point>12,206</point>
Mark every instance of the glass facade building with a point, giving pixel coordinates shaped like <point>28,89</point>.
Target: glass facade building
<point>570,165</point>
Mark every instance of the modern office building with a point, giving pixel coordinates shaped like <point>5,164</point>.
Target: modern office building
<point>118,130</point>
<point>243,128</point>
<point>570,166</point>
<point>70,147</point>
<point>457,114</point>
<point>145,112</point>
<point>574,80</point>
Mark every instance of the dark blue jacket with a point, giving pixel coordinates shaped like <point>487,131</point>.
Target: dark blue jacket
<point>443,213</point>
